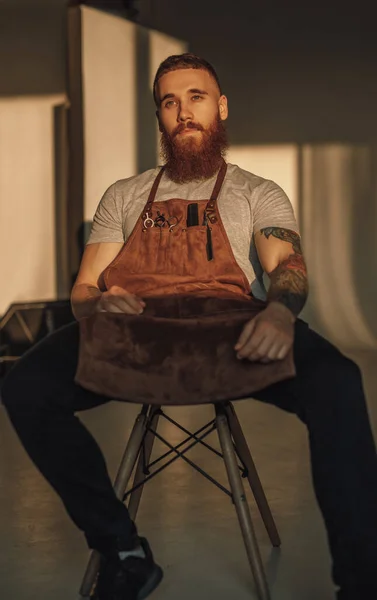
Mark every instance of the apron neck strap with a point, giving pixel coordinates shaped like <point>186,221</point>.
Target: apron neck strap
<point>211,206</point>
<point>219,181</point>
<point>152,194</point>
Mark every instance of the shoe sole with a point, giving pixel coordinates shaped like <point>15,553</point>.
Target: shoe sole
<point>151,584</point>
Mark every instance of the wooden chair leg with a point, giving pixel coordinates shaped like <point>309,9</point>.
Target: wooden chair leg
<point>242,508</point>
<point>252,475</point>
<point>144,458</point>
<point>124,473</point>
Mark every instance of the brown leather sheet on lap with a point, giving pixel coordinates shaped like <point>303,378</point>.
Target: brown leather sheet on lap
<point>179,352</point>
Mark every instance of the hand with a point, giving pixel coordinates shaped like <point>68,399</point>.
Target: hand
<point>118,300</point>
<point>269,336</point>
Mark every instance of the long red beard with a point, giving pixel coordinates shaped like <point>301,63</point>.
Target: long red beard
<point>192,159</point>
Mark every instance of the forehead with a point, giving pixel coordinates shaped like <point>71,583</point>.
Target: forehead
<point>182,80</point>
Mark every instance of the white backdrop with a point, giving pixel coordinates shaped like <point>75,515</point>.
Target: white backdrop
<point>27,217</point>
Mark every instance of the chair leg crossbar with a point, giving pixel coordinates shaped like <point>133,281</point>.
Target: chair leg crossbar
<point>234,449</point>
<point>211,426</point>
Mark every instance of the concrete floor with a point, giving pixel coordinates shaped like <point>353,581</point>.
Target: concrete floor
<point>191,525</point>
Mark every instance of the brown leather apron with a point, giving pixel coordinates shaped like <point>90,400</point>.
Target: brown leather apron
<point>181,349</point>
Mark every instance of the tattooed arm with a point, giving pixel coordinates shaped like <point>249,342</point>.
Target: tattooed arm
<point>280,254</point>
<point>269,336</point>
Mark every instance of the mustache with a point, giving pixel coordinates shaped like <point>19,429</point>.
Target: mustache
<point>190,125</point>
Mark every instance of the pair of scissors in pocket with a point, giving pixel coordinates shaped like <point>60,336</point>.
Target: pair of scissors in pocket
<point>160,221</point>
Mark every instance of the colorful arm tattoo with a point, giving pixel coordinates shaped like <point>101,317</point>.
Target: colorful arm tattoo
<point>289,281</point>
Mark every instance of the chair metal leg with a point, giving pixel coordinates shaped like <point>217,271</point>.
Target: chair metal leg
<point>252,475</point>
<point>242,508</point>
<point>144,458</point>
<point>124,473</point>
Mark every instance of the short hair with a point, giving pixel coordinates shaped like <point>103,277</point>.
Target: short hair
<point>183,61</point>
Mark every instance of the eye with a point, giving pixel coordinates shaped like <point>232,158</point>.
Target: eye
<point>169,103</point>
<point>197,97</point>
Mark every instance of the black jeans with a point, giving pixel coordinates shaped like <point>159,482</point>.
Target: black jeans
<point>327,395</point>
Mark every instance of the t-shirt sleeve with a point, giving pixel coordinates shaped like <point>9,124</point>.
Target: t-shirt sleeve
<point>107,224</point>
<point>272,208</point>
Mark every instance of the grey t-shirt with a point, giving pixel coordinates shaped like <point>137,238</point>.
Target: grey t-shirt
<point>246,202</point>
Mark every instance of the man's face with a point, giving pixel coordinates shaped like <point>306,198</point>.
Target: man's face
<point>190,103</point>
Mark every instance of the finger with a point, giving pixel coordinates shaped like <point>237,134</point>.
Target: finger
<point>253,343</point>
<point>112,309</point>
<point>131,299</point>
<point>273,351</point>
<point>263,348</point>
<point>282,353</point>
<point>124,300</point>
<point>277,352</point>
<point>118,304</point>
<point>133,303</point>
<point>246,333</point>
<point>141,301</point>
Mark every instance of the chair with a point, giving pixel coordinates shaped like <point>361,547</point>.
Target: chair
<point>233,445</point>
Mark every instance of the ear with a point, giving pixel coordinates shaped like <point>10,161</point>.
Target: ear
<point>159,122</point>
<point>223,107</point>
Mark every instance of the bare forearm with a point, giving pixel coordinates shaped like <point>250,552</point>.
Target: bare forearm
<point>84,299</point>
<point>289,284</point>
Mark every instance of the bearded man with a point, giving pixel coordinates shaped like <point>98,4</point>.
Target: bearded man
<point>204,229</point>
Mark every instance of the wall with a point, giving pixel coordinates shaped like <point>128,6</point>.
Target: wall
<point>32,47</point>
<point>27,213</point>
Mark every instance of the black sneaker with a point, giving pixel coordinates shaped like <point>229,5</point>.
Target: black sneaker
<point>132,578</point>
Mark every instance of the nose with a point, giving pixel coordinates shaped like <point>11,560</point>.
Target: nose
<point>184,113</point>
